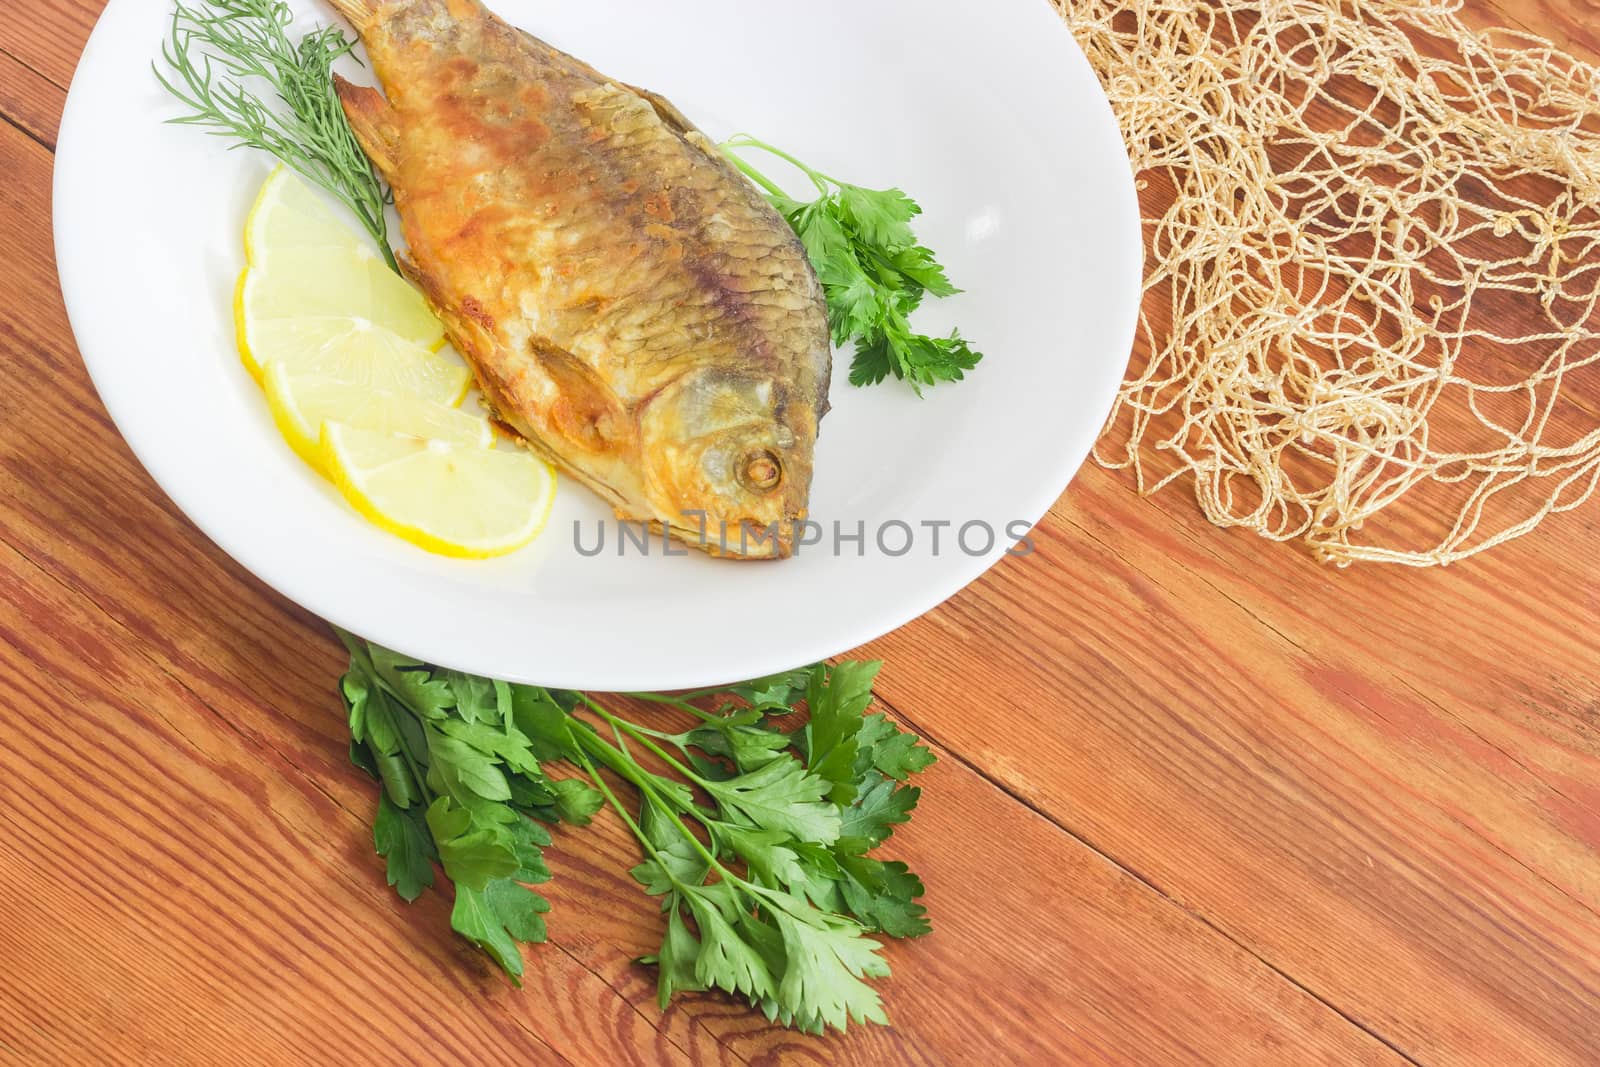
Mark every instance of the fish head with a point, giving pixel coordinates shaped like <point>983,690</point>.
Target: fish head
<point>727,461</point>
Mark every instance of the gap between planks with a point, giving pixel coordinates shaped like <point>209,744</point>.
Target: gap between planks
<point>1391,675</point>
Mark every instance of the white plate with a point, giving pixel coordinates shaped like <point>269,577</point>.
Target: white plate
<point>986,113</point>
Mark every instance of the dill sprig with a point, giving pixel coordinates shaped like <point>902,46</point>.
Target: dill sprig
<point>220,51</point>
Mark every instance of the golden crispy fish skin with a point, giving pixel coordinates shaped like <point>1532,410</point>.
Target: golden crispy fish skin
<point>631,304</point>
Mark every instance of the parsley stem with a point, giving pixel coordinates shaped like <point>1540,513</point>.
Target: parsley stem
<point>756,176</point>
<point>650,797</point>
<point>681,703</point>
<point>639,734</point>
<point>611,798</point>
<point>620,762</point>
<point>700,847</point>
<point>416,774</point>
<point>819,179</point>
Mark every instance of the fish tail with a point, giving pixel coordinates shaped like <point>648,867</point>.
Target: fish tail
<point>373,122</point>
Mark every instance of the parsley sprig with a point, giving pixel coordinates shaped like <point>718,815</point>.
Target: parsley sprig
<point>873,270</point>
<point>756,838</point>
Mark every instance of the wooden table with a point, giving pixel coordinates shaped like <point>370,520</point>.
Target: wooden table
<point>1200,799</point>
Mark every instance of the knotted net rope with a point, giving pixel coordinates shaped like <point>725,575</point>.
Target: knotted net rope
<point>1374,264</point>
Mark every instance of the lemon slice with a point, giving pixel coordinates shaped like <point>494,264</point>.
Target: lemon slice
<point>289,213</point>
<point>357,352</point>
<point>472,503</point>
<point>299,299</point>
<point>313,280</point>
<point>302,403</point>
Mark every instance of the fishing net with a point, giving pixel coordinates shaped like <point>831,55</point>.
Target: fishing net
<point>1374,263</point>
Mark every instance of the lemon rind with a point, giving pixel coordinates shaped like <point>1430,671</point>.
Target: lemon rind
<point>344,478</point>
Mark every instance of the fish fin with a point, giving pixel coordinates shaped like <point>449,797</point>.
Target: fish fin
<point>680,124</point>
<point>373,121</point>
<point>587,413</point>
<point>674,119</point>
<point>359,13</point>
<point>417,275</point>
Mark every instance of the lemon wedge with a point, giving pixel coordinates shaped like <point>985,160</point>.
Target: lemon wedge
<point>301,403</point>
<point>452,499</point>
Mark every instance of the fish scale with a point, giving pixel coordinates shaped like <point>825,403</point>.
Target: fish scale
<point>630,303</point>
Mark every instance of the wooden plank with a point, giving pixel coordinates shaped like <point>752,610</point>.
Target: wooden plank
<point>298,924</point>
<point>166,756</point>
<point>48,35</point>
<point>985,877</point>
<point>30,101</point>
<point>1496,646</point>
<point>152,850</point>
<point>1569,26</point>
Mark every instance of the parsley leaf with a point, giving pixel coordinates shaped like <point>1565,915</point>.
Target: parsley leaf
<point>727,960</point>
<point>781,796</point>
<point>496,917</point>
<point>774,692</point>
<point>474,698</point>
<point>473,852</point>
<point>837,698</point>
<point>576,802</point>
<point>922,361</point>
<point>826,957</point>
<point>458,773</point>
<point>743,737</point>
<point>890,751</point>
<point>881,806</point>
<point>881,218</point>
<point>882,896</point>
<point>403,839</point>
<point>676,960</point>
<point>411,682</point>
<point>874,273</point>
<point>464,772</point>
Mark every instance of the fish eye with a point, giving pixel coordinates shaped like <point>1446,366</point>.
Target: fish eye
<point>761,471</point>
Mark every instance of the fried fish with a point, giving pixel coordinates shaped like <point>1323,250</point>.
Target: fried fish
<point>630,303</point>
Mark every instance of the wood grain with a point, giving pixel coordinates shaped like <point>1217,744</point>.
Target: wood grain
<point>29,101</point>
<point>1353,834</point>
<point>1200,799</point>
<point>151,546</point>
<point>111,549</point>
